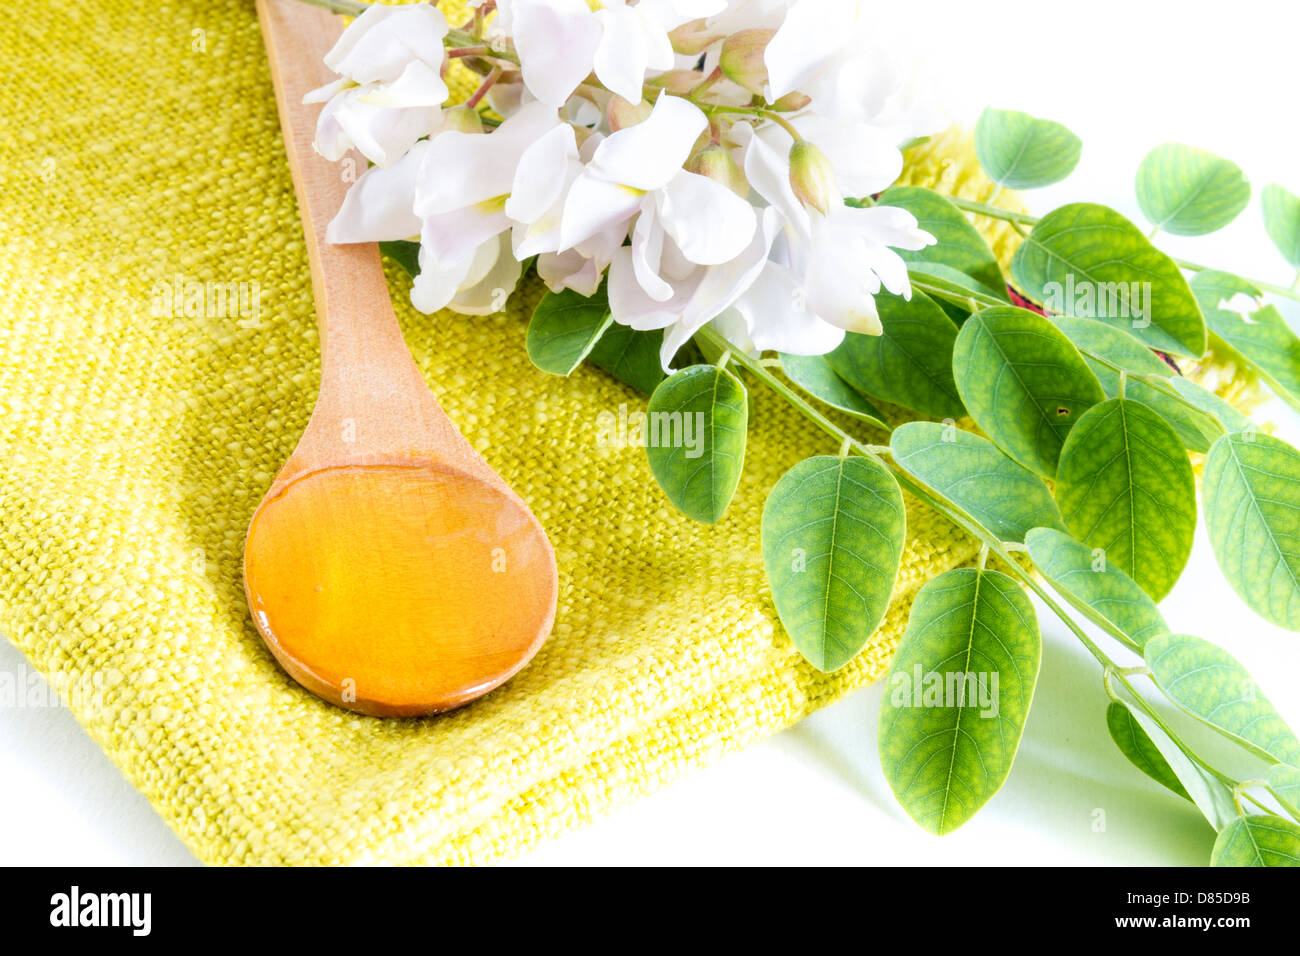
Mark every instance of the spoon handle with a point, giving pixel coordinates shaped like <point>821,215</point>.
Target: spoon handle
<point>360,338</point>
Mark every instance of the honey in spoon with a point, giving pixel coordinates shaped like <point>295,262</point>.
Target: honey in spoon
<point>398,590</point>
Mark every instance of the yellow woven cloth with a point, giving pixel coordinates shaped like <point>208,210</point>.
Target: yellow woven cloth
<point>139,142</point>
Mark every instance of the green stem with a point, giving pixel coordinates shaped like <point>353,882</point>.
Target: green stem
<point>702,87</point>
<point>347,8</point>
<point>757,112</point>
<point>1024,219</point>
<point>1285,806</point>
<point>488,82</point>
<point>1243,788</point>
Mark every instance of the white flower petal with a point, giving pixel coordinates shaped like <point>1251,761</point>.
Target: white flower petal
<point>891,268</point>
<point>721,285</point>
<point>856,88</point>
<point>865,161</point>
<point>647,252</point>
<point>450,236</point>
<point>630,305</point>
<point>419,85</point>
<point>468,168</point>
<point>570,269</point>
<point>380,43</point>
<point>647,155</point>
<point>808,39</point>
<point>543,173</point>
<point>382,135</point>
<point>484,291</point>
<point>709,222</point>
<point>775,319</point>
<point>380,205</point>
<point>594,205</point>
<point>838,279</point>
<point>888,225</point>
<point>324,93</point>
<point>556,41</point>
<point>438,280</point>
<point>623,53</point>
<point>768,173</point>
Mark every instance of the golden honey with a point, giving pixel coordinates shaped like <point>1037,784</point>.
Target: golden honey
<point>398,590</point>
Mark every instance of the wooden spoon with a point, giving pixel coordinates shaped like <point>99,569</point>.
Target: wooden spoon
<point>389,569</point>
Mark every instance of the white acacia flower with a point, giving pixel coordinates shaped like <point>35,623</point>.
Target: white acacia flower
<point>637,171</point>
<point>839,260</point>
<point>830,51</point>
<point>477,284</point>
<point>698,294</point>
<point>464,184</point>
<point>594,182</point>
<point>390,86</point>
<point>453,191</point>
<point>560,42</point>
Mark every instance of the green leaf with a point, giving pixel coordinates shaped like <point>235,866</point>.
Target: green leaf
<point>1250,491</point>
<point>1134,744</point>
<point>1218,409</point>
<point>1262,338</point>
<point>1093,338</point>
<point>1208,682</point>
<point>1023,383</point>
<point>1020,151</point>
<point>958,695</point>
<point>1089,261</point>
<point>405,253</point>
<point>1104,593</point>
<point>630,356</point>
<point>815,376</point>
<point>1211,797</point>
<point>695,439</point>
<point>1282,221</point>
<point>1284,784</point>
<point>1125,486</point>
<point>1261,839</point>
<point>944,283</point>
<point>564,328</point>
<point>960,245</point>
<point>833,533</point>
<point>1188,191</point>
<point>1002,495</point>
<point>909,363</point>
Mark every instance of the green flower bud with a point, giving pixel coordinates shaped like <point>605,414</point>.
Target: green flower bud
<point>716,163</point>
<point>791,102</point>
<point>677,81</point>
<point>462,119</point>
<point>812,178</point>
<point>622,114</point>
<point>741,60</point>
<point>691,39</point>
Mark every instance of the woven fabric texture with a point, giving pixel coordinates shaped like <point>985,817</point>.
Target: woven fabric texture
<point>140,152</point>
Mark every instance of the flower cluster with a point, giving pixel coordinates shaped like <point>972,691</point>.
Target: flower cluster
<point>695,155</point>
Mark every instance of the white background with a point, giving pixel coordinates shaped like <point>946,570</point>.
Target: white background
<point>1126,77</point>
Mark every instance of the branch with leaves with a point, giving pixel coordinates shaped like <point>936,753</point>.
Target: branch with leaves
<point>1080,487</point>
